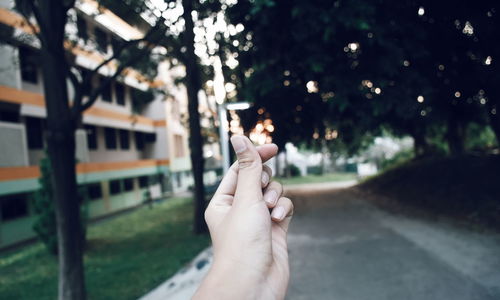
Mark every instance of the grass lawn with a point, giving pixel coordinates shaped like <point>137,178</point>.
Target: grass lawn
<point>318,178</point>
<point>126,256</point>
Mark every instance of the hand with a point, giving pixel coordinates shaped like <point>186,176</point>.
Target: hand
<point>249,242</point>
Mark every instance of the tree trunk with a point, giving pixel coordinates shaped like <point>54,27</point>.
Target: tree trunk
<point>421,147</point>
<point>288,172</point>
<point>495,125</point>
<point>494,106</point>
<point>277,165</point>
<point>61,151</point>
<point>193,85</point>
<point>455,135</point>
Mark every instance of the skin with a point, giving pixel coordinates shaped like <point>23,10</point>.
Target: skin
<point>248,221</point>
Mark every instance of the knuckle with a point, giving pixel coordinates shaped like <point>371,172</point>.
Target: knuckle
<point>289,203</point>
<point>248,162</point>
<point>276,186</point>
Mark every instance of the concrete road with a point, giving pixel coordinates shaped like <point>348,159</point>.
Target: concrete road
<point>342,247</point>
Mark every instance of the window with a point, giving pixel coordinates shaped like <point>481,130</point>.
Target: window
<point>101,38</point>
<point>124,139</point>
<point>115,187</point>
<point>9,112</point>
<point>29,62</point>
<point>94,191</point>
<point>110,136</point>
<point>139,140</point>
<point>106,94</point>
<point>87,88</point>
<point>91,136</point>
<point>81,25</point>
<point>34,131</point>
<point>128,184</point>
<point>116,43</point>
<point>120,94</point>
<point>178,146</point>
<point>14,206</point>
<point>143,181</point>
<point>150,137</point>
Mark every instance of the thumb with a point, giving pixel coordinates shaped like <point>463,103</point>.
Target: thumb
<point>249,187</point>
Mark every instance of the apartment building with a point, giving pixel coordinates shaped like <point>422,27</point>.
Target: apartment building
<point>123,149</point>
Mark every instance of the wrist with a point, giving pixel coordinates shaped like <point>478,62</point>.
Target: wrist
<point>229,280</point>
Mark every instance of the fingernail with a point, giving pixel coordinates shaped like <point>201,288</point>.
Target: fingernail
<point>271,197</point>
<point>239,144</point>
<point>265,178</point>
<point>278,213</point>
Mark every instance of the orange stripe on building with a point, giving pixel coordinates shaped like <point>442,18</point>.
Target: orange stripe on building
<point>160,123</point>
<point>31,172</point>
<point>17,173</point>
<point>14,20</point>
<point>109,114</point>
<point>21,97</point>
<point>13,95</point>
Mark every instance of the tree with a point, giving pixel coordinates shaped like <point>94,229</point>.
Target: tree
<point>193,85</point>
<point>64,116</point>
<point>421,69</point>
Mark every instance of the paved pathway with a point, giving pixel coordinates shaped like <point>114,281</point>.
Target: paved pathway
<point>342,247</point>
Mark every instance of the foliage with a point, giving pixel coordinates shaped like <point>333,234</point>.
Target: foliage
<point>400,158</point>
<point>463,187</point>
<point>141,98</point>
<point>45,224</point>
<point>43,204</point>
<point>293,170</point>
<point>480,138</point>
<point>330,177</point>
<point>354,67</point>
<point>315,170</point>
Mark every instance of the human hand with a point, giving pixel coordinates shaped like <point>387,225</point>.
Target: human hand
<point>249,242</point>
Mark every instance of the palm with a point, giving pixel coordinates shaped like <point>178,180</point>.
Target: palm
<point>264,245</point>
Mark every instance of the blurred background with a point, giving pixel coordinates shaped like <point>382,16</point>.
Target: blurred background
<point>115,118</point>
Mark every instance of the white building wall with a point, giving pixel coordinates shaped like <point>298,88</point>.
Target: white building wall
<point>9,66</point>
<point>13,145</point>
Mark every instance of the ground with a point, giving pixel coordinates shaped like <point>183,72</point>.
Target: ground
<point>343,247</point>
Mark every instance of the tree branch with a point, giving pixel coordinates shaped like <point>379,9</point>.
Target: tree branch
<point>116,54</point>
<point>96,92</point>
<point>35,31</point>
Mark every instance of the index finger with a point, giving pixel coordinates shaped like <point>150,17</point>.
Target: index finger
<point>228,183</point>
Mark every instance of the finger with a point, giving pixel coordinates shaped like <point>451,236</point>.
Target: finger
<point>248,188</point>
<point>282,212</point>
<point>267,173</point>
<point>228,183</point>
<point>267,151</point>
<point>272,193</point>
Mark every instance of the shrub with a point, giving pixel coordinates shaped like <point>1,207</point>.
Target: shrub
<point>45,225</point>
<point>293,170</point>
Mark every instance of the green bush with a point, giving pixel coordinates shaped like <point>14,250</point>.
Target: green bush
<point>293,170</point>
<point>398,159</point>
<point>45,224</point>
<point>315,170</point>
